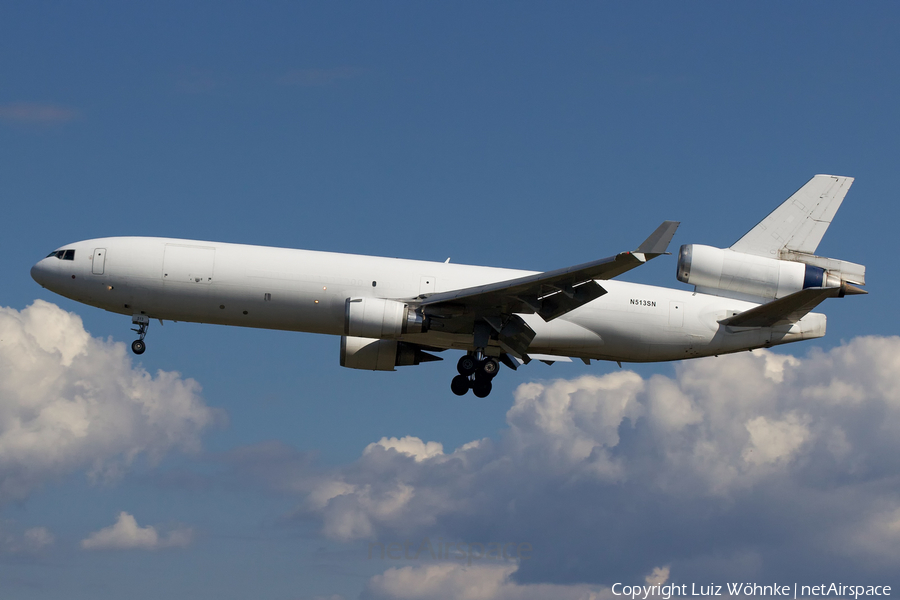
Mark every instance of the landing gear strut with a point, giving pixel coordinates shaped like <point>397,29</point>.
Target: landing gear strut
<point>475,372</point>
<point>143,322</point>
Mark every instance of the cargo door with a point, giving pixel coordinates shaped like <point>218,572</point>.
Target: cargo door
<point>188,264</point>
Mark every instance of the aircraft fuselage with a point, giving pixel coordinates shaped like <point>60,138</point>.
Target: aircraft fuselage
<point>300,290</point>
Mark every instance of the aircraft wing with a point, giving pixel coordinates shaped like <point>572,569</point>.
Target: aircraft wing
<point>786,310</point>
<point>554,293</point>
<point>551,294</point>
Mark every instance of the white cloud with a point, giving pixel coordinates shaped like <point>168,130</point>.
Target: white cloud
<point>476,582</point>
<point>727,469</point>
<point>30,542</point>
<point>125,534</point>
<point>658,576</point>
<point>69,401</point>
<point>774,440</point>
<point>410,445</point>
<point>37,538</point>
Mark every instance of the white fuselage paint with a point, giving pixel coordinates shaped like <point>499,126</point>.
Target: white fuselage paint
<point>300,290</point>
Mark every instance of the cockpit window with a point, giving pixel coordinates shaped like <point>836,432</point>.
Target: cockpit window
<point>63,254</point>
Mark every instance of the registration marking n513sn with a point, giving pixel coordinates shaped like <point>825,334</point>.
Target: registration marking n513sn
<point>639,302</point>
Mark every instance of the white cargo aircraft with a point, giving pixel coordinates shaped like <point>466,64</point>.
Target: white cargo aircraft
<point>392,312</point>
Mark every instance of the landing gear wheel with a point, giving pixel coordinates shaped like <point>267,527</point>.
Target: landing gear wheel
<point>489,367</point>
<point>143,322</point>
<point>459,385</point>
<point>482,388</point>
<point>466,365</point>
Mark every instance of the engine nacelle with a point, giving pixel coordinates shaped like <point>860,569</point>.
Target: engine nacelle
<point>727,270</point>
<point>380,355</point>
<point>380,318</point>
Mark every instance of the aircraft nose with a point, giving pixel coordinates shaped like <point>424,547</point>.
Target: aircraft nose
<point>39,273</point>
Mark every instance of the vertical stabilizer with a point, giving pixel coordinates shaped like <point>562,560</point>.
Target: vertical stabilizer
<point>800,222</point>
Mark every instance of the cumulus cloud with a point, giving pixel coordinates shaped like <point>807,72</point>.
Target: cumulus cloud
<point>447,581</point>
<point>37,113</point>
<point>125,534</point>
<point>69,402</point>
<point>30,542</point>
<point>752,466</point>
<point>409,445</point>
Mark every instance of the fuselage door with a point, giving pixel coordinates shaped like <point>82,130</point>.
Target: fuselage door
<point>98,262</point>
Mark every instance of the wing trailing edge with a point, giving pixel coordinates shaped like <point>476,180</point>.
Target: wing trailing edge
<point>553,293</point>
<point>491,311</point>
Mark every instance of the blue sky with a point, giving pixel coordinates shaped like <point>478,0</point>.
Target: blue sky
<point>509,134</point>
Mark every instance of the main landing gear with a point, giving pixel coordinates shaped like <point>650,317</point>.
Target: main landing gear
<point>143,322</point>
<point>475,372</point>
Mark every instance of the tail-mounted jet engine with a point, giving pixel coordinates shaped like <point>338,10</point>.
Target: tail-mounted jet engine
<point>380,355</point>
<point>733,272</point>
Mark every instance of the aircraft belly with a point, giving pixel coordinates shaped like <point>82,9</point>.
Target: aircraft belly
<point>634,333</point>
<point>561,336</point>
<point>250,306</point>
<point>292,306</point>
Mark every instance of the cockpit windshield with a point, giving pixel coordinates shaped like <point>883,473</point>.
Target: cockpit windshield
<point>63,254</point>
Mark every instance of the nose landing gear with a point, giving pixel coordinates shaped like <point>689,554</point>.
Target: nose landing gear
<point>475,372</point>
<point>143,322</point>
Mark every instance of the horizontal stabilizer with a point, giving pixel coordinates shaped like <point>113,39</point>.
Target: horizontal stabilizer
<point>844,269</point>
<point>783,311</point>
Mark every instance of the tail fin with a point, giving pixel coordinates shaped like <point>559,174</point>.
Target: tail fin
<point>800,222</point>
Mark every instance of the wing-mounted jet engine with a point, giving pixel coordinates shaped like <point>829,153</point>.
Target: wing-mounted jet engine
<point>774,262</point>
<point>372,327</point>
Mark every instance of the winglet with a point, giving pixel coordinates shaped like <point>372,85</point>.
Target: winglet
<point>659,240</point>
